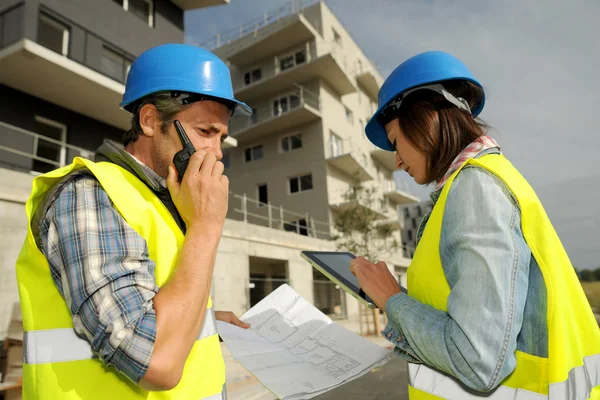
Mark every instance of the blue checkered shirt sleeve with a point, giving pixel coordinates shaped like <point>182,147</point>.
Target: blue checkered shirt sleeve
<point>101,267</point>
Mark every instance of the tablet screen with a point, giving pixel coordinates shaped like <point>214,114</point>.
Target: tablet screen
<point>340,264</point>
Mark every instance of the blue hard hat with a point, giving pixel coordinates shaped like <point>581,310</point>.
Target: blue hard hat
<point>423,69</point>
<point>179,68</point>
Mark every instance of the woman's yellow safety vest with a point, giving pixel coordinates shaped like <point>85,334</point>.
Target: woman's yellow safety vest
<point>59,365</point>
<point>572,368</point>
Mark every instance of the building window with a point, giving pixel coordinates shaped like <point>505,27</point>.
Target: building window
<point>253,153</point>
<point>114,65</point>
<point>143,9</point>
<point>349,115</point>
<point>285,103</point>
<point>299,227</point>
<point>50,145</point>
<point>226,160</point>
<point>292,60</point>
<point>301,183</point>
<point>336,37</point>
<point>419,211</point>
<point>263,195</point>
<point>53,35</point>
<point>290,143</point>
<point>410,235</point>
<point>414,221</point>
<point>252,76</point>
<point>406,213</point>
<point>336,144</point>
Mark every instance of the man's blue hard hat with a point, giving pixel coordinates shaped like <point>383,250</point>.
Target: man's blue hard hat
<point>180,68</point>
<point>420,70</point>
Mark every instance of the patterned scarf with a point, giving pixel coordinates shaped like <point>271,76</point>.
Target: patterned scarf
<point>477,146</point>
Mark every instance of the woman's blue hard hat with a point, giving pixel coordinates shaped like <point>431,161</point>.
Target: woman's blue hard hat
<point>420,70</point>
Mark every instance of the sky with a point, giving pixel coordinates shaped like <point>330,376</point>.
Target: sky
<point>538,62</point>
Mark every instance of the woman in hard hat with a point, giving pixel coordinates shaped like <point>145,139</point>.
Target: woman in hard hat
<point>494,308</point>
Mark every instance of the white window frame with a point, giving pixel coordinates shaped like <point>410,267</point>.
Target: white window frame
<point>250,71</point>
<point>336,150</point>
<point>298,177</point>
<point>252,159</point>
<point>63,137</point>
<point>288,136</point>
<point>66,32</point>
<point>150,10</point>
<point>293,55</point>
<point>287,96</point>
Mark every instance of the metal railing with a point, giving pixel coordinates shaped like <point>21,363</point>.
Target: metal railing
<point>281,103</point>
<point>276,217</point>
<point>251,28</point>
<point>24,150</point>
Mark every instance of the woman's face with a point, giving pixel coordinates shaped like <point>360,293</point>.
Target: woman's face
<point>408,157</point>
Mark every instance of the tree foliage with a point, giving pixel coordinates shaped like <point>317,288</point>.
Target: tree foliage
<point>360,229</point>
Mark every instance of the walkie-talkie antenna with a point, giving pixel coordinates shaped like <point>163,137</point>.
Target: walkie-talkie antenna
<point>182,157</point>
<point>181,133</point>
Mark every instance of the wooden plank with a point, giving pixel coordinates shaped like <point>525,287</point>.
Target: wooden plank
<point>10,385</point>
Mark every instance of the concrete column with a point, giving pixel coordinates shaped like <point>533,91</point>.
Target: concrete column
<point>230,282</point>
<point>301,278</point>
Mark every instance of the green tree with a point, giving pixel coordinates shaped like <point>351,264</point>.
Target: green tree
<point>362,230</point>
<point>586,275</point>
<point>597,274</point>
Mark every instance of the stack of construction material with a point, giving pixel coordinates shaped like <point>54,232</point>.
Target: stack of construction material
<point>11,365</point>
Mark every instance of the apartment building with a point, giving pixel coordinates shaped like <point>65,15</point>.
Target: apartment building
<point>312,90</point>
<point>413,215</point>
<point>63,65</point>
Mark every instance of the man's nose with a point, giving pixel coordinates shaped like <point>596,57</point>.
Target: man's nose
<point>215,148</point>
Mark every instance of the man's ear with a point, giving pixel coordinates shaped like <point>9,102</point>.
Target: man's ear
<point>149,120</point>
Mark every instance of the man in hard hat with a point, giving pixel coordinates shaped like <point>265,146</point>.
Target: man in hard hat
<point>115,273</point>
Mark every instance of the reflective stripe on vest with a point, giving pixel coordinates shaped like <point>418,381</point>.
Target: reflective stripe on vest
<point>581,381</point>
<point>58,345</point>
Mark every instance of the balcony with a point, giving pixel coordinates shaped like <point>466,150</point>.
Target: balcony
<point>350,159</point>
<point>301,65</point>
<point>193,4</point>
<point>56,71</point>
<point>386,158</point>
<point>28,151</point>
<point>369,79</point>
<point>261,37</point>
<point>394,192</point>
<point>288,109</point>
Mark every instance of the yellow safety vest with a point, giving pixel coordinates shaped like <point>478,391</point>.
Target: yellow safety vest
<point>572,368</point>
<point>59,365</point>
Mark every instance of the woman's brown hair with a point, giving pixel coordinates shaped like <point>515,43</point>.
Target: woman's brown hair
<point>438,128</point>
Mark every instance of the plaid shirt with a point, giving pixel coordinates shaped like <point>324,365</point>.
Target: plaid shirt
<point>101,267</point>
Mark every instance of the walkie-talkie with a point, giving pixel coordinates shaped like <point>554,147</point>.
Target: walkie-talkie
<point>182,158</point>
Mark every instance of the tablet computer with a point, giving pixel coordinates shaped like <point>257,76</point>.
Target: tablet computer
<point>335,265</point>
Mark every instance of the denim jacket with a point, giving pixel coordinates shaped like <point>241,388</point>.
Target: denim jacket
<point>497,303</point>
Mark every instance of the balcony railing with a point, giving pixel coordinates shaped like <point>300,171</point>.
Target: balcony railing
<point>31,152</point>
<point>349,157</point>
<point>279,106</point>
<point>251,28</point>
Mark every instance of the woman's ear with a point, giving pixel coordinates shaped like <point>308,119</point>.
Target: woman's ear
<point>149,120</point>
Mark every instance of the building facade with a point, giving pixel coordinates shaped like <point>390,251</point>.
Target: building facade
<point>63,65</point>
<point>413,215</point>
<point>312,90</point>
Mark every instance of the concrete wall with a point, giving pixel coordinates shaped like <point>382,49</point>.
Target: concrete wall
<point>275,169</point>
<point>14,192</point>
